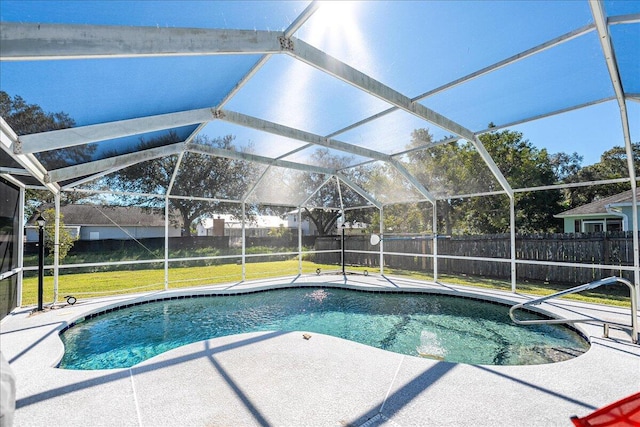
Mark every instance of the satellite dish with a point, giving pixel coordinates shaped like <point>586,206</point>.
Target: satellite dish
<point>375,239</point>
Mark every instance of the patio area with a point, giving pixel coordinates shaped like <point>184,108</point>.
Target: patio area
<point>279,378</point>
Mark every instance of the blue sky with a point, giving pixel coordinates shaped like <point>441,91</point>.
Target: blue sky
<point>412,47</point>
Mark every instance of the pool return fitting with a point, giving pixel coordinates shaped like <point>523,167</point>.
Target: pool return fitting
<point>635,334</point>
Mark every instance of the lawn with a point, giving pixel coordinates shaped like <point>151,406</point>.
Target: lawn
<point>95,284</point>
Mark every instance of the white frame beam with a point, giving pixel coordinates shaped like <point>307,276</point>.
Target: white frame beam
<point>71,137</point>
<point>600,19</point>
<point>285,131</point>
<point>359,190</point>
<point>112,164</point>
<point>297,134</point>
<point>320,60</point>
<point>229,154</point>
<point>7,139</point>
<point>32,42</point>
<point>295,26</point>
<point>500,64</point>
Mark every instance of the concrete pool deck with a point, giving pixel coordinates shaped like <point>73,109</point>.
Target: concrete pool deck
<point>281,379</point>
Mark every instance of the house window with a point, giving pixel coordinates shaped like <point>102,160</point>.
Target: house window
<point>592,226</point>
<point>94,235</point>
<point>614,225</point>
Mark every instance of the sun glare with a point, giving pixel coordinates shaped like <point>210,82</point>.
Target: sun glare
<point>336,14</point>
<point>334,20</point>
<point>335,28</point>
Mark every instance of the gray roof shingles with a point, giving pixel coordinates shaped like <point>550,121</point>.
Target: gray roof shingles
<point>87,214</point>
<point>598,206</point>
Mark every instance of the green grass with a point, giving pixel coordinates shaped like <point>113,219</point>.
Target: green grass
<point>136,254</point>
<point>95,284</point>
<point>617,295</point>
<point>86,285</point>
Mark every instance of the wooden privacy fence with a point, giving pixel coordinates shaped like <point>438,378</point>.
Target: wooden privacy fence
<point>153,243</point>
<point>613,248</point>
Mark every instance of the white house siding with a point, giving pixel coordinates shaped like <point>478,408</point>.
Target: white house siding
<point>259,227</point>
<point>105,232</point>
<point>124,233</point>
<point>569,222</point>
<point>32,233</point>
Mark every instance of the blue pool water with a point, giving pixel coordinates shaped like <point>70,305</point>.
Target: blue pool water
<point>427,325</point>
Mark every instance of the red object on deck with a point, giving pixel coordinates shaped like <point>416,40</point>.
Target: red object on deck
<point>624,412</point>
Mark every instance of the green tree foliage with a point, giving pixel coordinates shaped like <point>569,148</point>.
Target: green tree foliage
<point>524,166</point>
<point>408,218</point>
<point>327,197</point>
<point>612,165</point>
<point>213,177</point>
<point>456,168</point>
<point>280,231</point>
<point>27,119</point>
<point>66,240</point>
<point>441,174</point>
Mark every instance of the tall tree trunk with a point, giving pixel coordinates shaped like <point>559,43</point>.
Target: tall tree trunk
<point>322,221</point>
<point>186,223</point>
<point>446,217</point>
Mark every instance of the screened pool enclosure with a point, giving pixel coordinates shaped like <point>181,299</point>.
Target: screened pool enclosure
<point>456,132</point>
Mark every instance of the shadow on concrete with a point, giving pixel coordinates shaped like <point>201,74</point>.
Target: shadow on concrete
<point>119,374</point>
<point>535,387</point>
<point>55,330</point>
<point>394,402</point>
<point>260,419</point>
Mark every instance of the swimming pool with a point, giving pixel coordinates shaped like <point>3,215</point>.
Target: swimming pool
<point>428,325</point>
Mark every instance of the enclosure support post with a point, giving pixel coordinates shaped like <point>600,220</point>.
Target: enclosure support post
<point>636,242</point>
<point>342,247</point>
<point>40,221</point>
<point>382,240</point>
<point>244,218</point>
<point>20,248</point>
<point>166,243</point>
<point>602,27</point>
<point>635,235</point>
<point>56,248</point>
<point>435,241</point>
<point>299,240</point>
<point>166,213</point>
<point>512,220</point>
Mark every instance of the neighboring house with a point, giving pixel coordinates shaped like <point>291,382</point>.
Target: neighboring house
<point>92,222</point>
<point>227,225</point>
<point>608,214</point>
<point>352,227</point>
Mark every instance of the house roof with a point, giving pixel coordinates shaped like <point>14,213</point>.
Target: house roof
<point>599,206</point>
<point>88,214</point>
<point>261,221</point>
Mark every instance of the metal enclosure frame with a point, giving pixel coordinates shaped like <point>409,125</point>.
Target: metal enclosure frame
<point>53,42</point>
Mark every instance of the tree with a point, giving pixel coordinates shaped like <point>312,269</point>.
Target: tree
<point>456,168</point>
<point>280,231</point>
<point>214,177</point>
<point>405,218</point>
<point>27,119</point>
<point>612,165</point>
<point>65,238</point>
<point>327,200</point>
<point>440,173</point>
<point>523,165</point>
